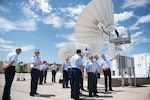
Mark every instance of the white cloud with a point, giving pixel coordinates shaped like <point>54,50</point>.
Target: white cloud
<point>70,15</point>
<point>42,5</point>
<point>136,34</point>
<point>3,41</point>
<point>30,14</point>
<point>144,19</point>
<point>68,37</point>
<point>73,12</point>
<point>7,25</point>
<point>137,38</point>
<point>141,20</point>
<point>3,9</point>
<point>54,20</point>
<point>134,27</point>
<point>7,45</point>
<point>27,47</point>
<point>26,25</point>
<point>70,24</point>
<point>123,16</point>
<point>136,3</point>
<point>59,45</point>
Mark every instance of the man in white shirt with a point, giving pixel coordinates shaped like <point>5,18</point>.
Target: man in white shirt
<point>91,70</point>
<point>65,67</point>
<point>43,69</point>
<point>54,69</point>
<point>105,65</point>
<point>77,74</point>
<point>9,67</point>
<point>35,72</point>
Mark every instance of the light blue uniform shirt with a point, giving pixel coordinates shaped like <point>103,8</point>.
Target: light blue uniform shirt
<point>65,65</point>
<point>91,66</point>
<point>105,63</point>
<point>36,59</point>
<point>54,67</point>
<point>97,65</point>
<point>43,66</point>
<point>12,56</point>
<point>76,61</point>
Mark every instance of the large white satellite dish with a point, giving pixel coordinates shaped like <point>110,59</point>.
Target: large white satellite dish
<point>67,50</point>
<point>96,19</point>
<point>96,47</point>
<point>90,49</point>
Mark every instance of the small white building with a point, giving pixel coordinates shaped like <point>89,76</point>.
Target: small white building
<point>142,64</point>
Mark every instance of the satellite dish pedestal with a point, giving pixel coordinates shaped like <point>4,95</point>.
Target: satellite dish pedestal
<point>123,61</point>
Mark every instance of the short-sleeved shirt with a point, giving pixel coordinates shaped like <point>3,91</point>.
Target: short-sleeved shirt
<point>43,66</point>
<point>65,65</point>
<point>54,67</point>
<point>105,63</point>
<point>97,64</point>
<point>91,66</point>
<point>76,61</point>
<point>12,56</point>
<point>36,59</point>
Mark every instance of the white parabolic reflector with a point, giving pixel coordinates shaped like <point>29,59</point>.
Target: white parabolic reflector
<point>90,49</point>
<point>97,14</point>
<point>67,50</point>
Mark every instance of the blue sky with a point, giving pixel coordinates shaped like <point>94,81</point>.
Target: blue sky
<point>49,24</point>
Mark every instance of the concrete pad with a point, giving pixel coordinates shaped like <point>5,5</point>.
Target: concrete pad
<point>54,91</point>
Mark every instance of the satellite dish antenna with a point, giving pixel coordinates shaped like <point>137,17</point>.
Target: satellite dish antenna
<point>90,49</point>
<point>97,47</point>
<point>96,19</point>
<point>67,50</point>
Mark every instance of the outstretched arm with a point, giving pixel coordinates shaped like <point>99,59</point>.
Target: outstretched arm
<point>115,56</point>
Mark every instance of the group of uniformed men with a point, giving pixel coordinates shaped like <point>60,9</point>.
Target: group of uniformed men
<point>92,69</point>
<point>73,69</point>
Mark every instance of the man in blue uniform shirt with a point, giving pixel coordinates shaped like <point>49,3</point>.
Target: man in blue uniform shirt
<point>105,65</point>
<point>77,74</point>
<point>91,70</point>
<point>35,72</point>
<point>9,66</point>
<point>65,73</point>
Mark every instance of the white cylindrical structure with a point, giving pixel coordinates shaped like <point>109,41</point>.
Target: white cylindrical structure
<point>112,53</point>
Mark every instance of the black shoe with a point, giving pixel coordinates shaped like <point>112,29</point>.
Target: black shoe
<point>111,90</point>
<point>90,94</point>
<point>95,95</point>
<point>37,93</point>
<point>72,97</point>
<point>40,83</point>
<point>9,97</point>
<point>44,82</point>
<point>32,95</point>
<point>105,90</point>
<point>80,93</point>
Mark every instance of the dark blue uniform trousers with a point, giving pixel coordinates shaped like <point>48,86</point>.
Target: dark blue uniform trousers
<point>76,76</point>
<point>92,83</point>
<point>9,76</point>
<point>35,74</point>
<point>107,73</point>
